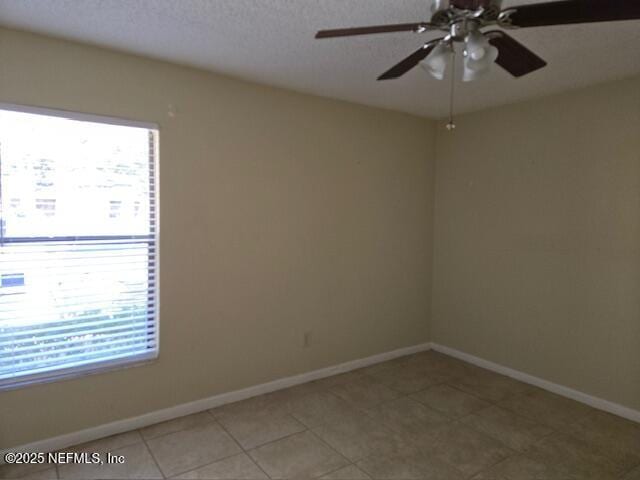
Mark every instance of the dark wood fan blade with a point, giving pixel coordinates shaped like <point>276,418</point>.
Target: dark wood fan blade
<point>574,11</point>
<point>347,32</point>
<point>411,61</point>
<point>514,57</point>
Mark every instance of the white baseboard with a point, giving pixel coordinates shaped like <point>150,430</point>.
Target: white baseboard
<point>120,426</point>
<point>595,402</point>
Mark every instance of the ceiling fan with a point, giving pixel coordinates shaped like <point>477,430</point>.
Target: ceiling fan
<point>464,20</point>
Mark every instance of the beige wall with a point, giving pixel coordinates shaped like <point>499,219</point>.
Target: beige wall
<point>537,239</point>
<point>285,213</point>
<point>281,213</point>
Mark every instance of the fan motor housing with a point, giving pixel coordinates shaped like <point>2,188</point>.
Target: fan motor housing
<point>442,9</point>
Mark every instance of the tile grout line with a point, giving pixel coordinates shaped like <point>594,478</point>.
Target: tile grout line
<point>553,430</point>
<point>144,441</point>
<point>598,449</point>
<point>306,429</point>
<point>493,403</point>
<point>330,447</point>
<point>257,464</point>
<point>565,429</point>
<point>139,430</point>
<point>627,472</point>
<point>490,403</point>
<point>246,452</point>
<point>278,439</point>
<point>350,464</point>
<point>226,457</point>
<point>403,394</point>
<point>127,445</point>
<point>214,420</point>
<point>514,453</point>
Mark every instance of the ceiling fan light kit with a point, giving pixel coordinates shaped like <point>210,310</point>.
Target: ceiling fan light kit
<point>463,22</point>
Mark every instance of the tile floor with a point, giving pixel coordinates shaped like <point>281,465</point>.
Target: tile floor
<point>425,416</point>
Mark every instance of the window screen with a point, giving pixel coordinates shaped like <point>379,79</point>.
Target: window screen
<point>78,244</point>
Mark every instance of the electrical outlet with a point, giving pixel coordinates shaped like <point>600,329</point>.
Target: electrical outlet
<point>306,340</point>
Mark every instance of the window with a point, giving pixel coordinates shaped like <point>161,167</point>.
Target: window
<point>78,244</point>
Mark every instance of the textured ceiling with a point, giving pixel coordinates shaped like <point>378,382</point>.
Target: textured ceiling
<point>271,41</point>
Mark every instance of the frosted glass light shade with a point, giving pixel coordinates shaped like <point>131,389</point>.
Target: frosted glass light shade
<point>479,54</point>
<point>436,62</point>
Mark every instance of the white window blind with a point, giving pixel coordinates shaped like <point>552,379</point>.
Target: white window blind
<point>78,244</point>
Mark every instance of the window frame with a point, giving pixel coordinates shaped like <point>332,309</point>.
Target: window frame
<point>65,373</point>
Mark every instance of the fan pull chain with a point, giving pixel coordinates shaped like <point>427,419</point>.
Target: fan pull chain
<point>451,125</point>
